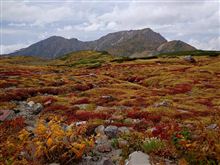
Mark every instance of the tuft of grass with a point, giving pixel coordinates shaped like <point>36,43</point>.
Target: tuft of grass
<point>152,144</point>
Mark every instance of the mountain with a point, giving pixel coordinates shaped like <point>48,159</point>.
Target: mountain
<point>174,46</point>
<point>123,43</point>
<point>52,47</point>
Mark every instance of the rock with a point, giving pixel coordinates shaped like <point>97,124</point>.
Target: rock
<point>6,115</point>
<point>29,128</point>
<point>54,164</point>
<point>37,108</point>
<point>100,130</point>
<point>104,148</point>
<point>189,58</point>
<point>82,106</point>
<point>101,139</point>
<point>212,126</point>
<point>30,103</point>
<point>122,143</point>
<point>138,158</point>
<point>123,130</point>
<point>162,104</point>
<point>80,123</point>
<point>111,131</point>
<point>108,162</point>
<point>108,97</point>
<point>117,117</point>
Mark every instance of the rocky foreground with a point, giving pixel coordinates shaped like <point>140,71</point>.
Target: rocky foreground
<point>158,111</point>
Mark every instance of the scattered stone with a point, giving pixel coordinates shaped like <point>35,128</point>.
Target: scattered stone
<point>104,148</point>
<point>100,130</point>
<point>108,97</point>
<point>123,130</point>
<point>162,104</point>
<point>117,117</point>
<point>189,58</point>
<point>108,162</point>
<point>212,126</point>
<point>111,131</point>
<point>6,115</point>
<point>80,123</point>
<point>101,139</point>
<point>82,106</point>
<point>30,103</point>
<point>30,128</point>
<point>37,108</point>
<point>122,143</point>
<point>138,158</point>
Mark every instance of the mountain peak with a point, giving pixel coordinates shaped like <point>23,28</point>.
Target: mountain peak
<point>121,43</point>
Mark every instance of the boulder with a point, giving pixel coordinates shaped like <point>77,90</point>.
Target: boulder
<point>212,126</point>
<point>138,158</point>
<point>189,58</point>
<point>123,130</point>
<point>100,130</point>
<point>122,143</point>
<point>37,108</point>
<point>111,131</point>
<point>101,139</point>
<point>30,103</point>
<point>6,115</point>
<point>104,148</point>
<point>162,104</point>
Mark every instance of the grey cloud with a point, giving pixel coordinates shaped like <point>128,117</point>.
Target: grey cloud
<point>196,22</point>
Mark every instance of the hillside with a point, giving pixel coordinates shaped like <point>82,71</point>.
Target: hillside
<point>134,43</point>
<point>64,110</point>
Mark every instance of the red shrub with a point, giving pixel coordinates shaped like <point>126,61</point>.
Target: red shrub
<point>85,115</point>
<point>135,114</point>
<point>206,102</point>
<point>83,87</point>
<point>81,101</point>
<point>142,126</point>
<point>180,88</point>
<point>15,124</point>
<point>165,131</point>
<point>56,107</point>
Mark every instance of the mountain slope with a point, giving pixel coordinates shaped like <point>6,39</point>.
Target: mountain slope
<point>174,46</point>
<point>52,47</point>
<point>123,43</point>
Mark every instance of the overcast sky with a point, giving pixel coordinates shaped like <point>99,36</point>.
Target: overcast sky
<point>196,22</point>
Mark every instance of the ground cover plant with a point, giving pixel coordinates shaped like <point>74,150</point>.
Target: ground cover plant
<point>171,106</point>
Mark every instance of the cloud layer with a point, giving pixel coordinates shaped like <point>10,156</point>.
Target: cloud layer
<point>25,22</point>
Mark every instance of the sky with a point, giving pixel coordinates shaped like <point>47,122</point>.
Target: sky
<point>23,23</point>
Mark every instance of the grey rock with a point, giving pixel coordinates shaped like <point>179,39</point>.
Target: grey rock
<point>108,162</point>
<point>104,148</point>
<point>123,130</point>
<point>80,123</point>
<point>122,143</point>
<point>101,139</point>
<point>6,115</point>
<point>100,130</point>
<point>212,126</point>
<point>30,128</point>
<point>162,104</point>
<point>138,158</point>
<point>37,108</point>
<point>30,103</point>
<point>111,131</point>
<point>189,58</point>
